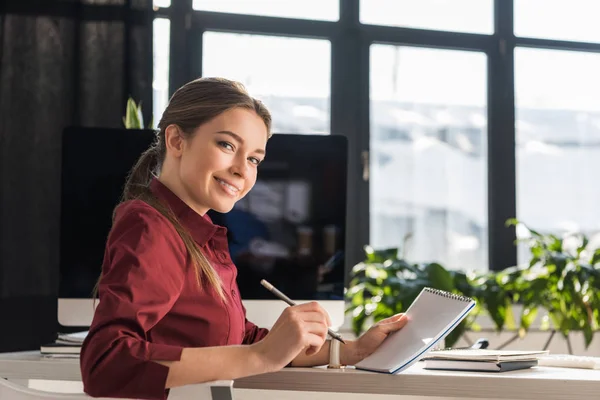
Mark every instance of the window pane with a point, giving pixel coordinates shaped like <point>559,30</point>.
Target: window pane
<point>292,76</point>
<point>160,84</point>
<point>429,154</point>
<point>470,16</point>
<point>327,10</point>
<point>575,20</point>
<point>557,95</point>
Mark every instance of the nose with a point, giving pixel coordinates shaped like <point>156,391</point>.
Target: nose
<point>239,167</point>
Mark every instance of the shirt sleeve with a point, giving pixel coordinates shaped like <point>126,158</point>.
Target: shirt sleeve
<point>143,275</point>
<point>252,333</point>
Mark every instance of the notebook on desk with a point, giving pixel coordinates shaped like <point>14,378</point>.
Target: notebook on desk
<point>65,345</point>
<point>482,359</point>
<point>486,355</point>
<point>483,366</point>
<point>431,317</point>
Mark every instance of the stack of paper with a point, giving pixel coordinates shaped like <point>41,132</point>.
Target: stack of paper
<point>482,360</point>
<point>66,345</point>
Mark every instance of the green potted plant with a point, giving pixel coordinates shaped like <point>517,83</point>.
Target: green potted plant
<point>564,283</point>
<point>134,118</point>
<point>562,279</point>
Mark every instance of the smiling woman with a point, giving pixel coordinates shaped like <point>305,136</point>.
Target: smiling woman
<point>170,313</point>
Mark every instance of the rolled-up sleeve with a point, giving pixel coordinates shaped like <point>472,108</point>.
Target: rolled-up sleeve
<point>142,277</point>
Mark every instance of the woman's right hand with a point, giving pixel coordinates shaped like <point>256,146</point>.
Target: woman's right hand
<point>299,328</point>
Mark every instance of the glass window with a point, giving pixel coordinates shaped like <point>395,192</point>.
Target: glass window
<point>162,3</point>
<point>575,20</point>
<point>328,10</point>
<point>470,16</point>
<point>428,162</point>
<point>292,76</point>
<point>160,84</point>
<point>557,100</point>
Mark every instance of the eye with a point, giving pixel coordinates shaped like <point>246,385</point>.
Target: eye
<point>226,145</point>
<point>255,160</point>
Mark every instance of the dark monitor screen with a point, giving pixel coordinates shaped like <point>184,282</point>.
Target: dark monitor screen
<point>289,229</point>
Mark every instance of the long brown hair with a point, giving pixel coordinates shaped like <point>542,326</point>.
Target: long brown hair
<point>192,105</point>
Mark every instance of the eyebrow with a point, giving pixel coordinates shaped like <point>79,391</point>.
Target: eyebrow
<point>240,140</point>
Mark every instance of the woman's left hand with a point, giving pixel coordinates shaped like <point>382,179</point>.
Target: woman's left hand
<point>369,341</point>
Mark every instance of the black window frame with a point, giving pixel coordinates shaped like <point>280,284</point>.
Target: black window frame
<point>350,108</point>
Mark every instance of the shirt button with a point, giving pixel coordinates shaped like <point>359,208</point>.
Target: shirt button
<point>233,292</point>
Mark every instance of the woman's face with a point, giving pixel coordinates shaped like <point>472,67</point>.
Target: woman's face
<point>218,163</point>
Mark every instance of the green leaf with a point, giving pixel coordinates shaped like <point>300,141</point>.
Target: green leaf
<point>439,277</point>
<point>584,242</point>
<point>595,257</point>
<point>455,334</point>
<point>133,115</point>
<point>509,318</point>
<point>555,243</point>
<point>528,316</point>
<point>495,304</point>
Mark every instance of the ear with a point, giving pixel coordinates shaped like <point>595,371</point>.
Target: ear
<point>174,140</point>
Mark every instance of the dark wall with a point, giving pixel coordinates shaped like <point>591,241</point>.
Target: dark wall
<point>61,63</point>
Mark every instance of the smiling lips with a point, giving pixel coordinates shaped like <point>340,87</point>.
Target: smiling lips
<point>228,187</point>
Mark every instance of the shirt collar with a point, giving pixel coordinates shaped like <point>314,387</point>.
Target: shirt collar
<point>200,227</point>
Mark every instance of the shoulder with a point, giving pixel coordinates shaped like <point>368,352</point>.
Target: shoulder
<point>143,249</point>
<point>137,220</point>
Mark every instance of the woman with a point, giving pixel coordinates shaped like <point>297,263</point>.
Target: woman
<point>169,312</point>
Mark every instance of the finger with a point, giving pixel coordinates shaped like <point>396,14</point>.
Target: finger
<point>314,343</point>
<point>393,318</point>
<point>314,306</point>
<point>326,314</point>
<point>313,316</point>
<point>394,325</point>
<point>316,328</point>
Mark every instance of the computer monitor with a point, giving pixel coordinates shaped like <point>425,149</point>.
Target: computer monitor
<point>289,229</point>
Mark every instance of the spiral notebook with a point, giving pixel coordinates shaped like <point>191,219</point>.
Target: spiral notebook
<point>431,317</point>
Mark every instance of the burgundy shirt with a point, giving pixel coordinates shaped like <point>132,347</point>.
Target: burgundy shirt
<point>150,306</point>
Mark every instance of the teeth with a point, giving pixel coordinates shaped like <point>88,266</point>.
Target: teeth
<point>228,185</point>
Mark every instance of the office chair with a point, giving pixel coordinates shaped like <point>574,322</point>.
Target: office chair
<point>219,390</point>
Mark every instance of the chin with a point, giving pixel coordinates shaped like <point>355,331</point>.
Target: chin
<point>223,207</point>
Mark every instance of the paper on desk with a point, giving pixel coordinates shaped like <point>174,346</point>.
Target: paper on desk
<point>485,355</point>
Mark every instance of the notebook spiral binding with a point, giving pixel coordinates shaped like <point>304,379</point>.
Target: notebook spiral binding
<point>449,295</point>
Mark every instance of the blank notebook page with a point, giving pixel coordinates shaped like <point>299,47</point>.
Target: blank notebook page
<point>431,317</point>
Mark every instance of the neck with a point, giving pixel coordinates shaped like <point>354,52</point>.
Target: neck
<point>168,178</point>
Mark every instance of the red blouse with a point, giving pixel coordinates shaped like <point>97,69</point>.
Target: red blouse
<point>150,306</point>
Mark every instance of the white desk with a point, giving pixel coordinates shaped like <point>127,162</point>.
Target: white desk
<point>537,383</point>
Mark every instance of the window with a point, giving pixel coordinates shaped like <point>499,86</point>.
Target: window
<point>575,20</point>
<point>327,10</point>
<point>471,16</point>
<point>428,149</point>
<point>162,3</point>
<point>558,141</point>
<point>160,84</point>
<point>292,76</point>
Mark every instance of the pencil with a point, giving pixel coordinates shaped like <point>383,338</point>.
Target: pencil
<point>291,302</point>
